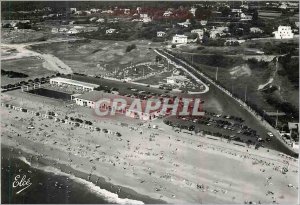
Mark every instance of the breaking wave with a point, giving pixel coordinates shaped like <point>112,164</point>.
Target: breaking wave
<point>23,159</point>
<point>107,195</point>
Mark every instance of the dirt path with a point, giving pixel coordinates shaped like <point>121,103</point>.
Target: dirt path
<point>50,62</point>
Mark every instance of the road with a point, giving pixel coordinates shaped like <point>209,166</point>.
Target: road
<point>237,107</point>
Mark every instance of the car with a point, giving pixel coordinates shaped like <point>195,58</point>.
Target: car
<point>270,134</point>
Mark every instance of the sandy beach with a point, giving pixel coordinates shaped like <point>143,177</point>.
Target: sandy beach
<point>162,164</point>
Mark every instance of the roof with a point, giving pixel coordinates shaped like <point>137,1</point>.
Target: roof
<point>293,125</point>
<point>180,36</point>
<point>74,82</point>
<point>95,96</point>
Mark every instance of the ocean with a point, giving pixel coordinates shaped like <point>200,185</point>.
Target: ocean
<point>50,185</point>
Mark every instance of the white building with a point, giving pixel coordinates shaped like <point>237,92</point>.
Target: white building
<point>54,30</point>
<point>199,32</point>
<point>203,22</point>
<point>283,32</point>
<point>179,39</point>
<point>185,24</point>
<point>100,20</point>
<point>147,20</point>
<point>245,17</point>
<point>78,12</point>
<point>177,80</point>
<point>161,34</point>
<point>126,11</point>
<point>193,11</point>
<point>89,99</point>
<point>73,31</point>
<point>78,85</point>
<point>167,13</point>
<point>256,30</point>
<point>143,16</point>
<point>218,31</point>
<point>92,19</point>
<point>73,10</point>
<point>236,10</point>
<point>63,30</point>
<point>110,31</point>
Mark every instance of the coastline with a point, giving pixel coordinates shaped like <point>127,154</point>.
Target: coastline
<point>125,194</point>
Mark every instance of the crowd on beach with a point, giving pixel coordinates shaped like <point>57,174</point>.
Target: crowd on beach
<point>44,129</point>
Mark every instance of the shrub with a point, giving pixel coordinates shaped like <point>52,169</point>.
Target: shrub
<point>130,47</point>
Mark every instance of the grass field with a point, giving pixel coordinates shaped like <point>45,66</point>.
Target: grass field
<point>99,57</point>
<point>31,66</point>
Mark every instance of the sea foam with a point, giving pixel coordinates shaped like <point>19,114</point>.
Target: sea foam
<point>109,196</point>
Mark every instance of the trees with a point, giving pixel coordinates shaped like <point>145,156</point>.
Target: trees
<point>130,47</point>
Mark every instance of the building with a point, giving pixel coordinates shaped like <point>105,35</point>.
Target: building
<point>63,30</point>
<point>90,99</point>
<point>185,24</point>
<point>73,10</point>
<point>203,22</point>
<point>54,30</point>
<point>256,30</point>
<point>100,20</point>
<point>92,19</point>
<point>199,32</point>
<point>161,34</point>
<point>167,13</point>
<point>193,11</point>
<point>236,10</point>
<point>147,20</point>
<point>218,31</point>
<point>78,85</point>
<point>73,31</point>
<point>245,17</point>
<point>177,80</point>
<point>284,32</point>
<point>179,39</point>
<point>126,11</point>
<point>110,31</point>
<point>143,16</point>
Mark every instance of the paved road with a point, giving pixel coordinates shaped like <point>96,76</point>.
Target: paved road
<point>237,107</point>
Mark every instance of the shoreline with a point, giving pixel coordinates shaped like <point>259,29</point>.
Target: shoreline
<point>99,181</point>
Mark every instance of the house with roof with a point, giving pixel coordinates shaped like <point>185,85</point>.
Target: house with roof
<point>284,32</point>
<point>93,19</point>
<point>63,30</point>
<point>147,19</point>
<point>54,30</point>
<point>73,10</point>
<point>203,22</point>
<point>185,24</point>
<point>179,39</point>
<point>167,13</point>
<point>73,31</point>
<point>256,30</point>
<point>245,17</point>
<point>199,32</point>
<point>218,31</point>
<point>100,20</point>
<point>110,31</point>
<point>143,15</point>
<point>160,34</point>
<point>193,11</point>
